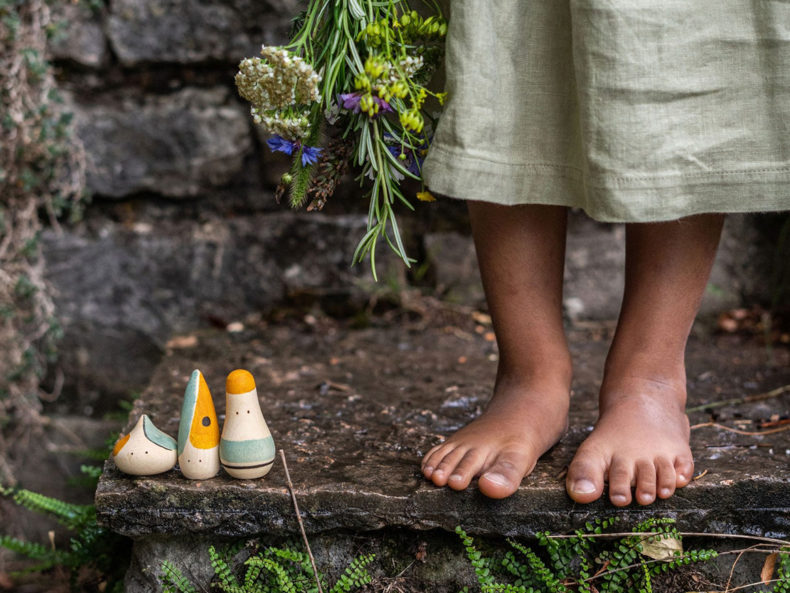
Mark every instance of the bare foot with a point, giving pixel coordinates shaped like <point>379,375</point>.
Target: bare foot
<point>522,421</point>
<point>641,441</point>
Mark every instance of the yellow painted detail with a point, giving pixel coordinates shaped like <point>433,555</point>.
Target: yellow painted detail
<point>240,381</point>
<point>200,435</point>
<point>425,196</point>
<point>119,445</point>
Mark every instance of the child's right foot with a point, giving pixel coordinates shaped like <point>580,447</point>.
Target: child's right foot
<point>522,421</point>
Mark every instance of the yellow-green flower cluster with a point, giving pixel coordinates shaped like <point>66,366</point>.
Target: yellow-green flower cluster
<point>386,81</point>
<point>277,80</point>
<point>407,27</point>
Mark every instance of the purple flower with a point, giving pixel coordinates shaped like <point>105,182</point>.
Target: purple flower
<point>310,154</point>
<point>350,101</point>
<point>385,107</point>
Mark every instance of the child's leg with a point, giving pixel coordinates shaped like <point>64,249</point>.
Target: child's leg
<point>521,252</point>
<point>641,438</point>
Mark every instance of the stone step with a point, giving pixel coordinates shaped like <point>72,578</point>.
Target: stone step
<point>355,409</point>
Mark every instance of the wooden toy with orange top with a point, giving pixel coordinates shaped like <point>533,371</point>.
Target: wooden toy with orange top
<point>246,449</point>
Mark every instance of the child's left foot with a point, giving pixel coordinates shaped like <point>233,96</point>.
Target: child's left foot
<point>641,441</point>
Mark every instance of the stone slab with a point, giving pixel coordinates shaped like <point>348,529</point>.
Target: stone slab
<point>355,410</point>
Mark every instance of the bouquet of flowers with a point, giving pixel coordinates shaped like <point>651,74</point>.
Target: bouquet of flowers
<point>350,88</point>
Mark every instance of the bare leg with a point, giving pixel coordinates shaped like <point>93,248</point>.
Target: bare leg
<point>521,252</point>
<point>641,438</point>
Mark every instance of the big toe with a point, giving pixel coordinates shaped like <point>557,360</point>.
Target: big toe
<point>584,481</point>
<point>505,474</point>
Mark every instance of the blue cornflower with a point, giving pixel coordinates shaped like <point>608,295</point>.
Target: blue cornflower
<point>310,154</point>
<point>280,144</point>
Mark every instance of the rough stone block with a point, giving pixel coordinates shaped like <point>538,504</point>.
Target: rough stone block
<point>82,39</point>
<point>122,291</point>
<point>189,31</point>
<point>177,145</point>
<point>457,274</point>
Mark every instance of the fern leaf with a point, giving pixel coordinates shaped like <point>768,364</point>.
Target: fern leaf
<point>174,579</point>
<point>355,575</point>
<point>222,571</point>
<point>284,582</point>
<point>73,516</point>
<point>481,564</point>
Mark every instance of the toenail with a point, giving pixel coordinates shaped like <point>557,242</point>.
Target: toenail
<point>619,498</point>
<point>498,479</point>
<point>428,468</point>
<point>583,487</point>
<point>666,492</point>
<point>646,497</point>
<point>682,478</point>
<point>456,477</point>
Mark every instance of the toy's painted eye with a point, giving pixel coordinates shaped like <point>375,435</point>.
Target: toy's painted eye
<point>206,421</point>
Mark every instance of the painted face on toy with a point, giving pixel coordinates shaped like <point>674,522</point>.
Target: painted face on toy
<point>145,451</point>
<point>246,449</point>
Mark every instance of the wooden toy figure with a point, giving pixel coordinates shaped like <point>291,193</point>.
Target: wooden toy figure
<point>246,449</point>
<point>198,431</point>
<point>145,451</point>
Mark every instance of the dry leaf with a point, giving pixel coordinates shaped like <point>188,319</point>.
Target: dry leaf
<point>481,318</point>
<point>179,342</point>
<point>767,573</point>
<point>661,549</point>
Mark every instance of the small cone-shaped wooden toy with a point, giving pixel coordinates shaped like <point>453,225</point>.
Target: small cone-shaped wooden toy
<point>198,431</point>
<point>246,449</point>
<point>145,451</point>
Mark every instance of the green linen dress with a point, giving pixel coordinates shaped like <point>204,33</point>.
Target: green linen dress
<point>633,110</point>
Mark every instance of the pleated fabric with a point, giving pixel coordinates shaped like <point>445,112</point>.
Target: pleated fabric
<point>633,110</point>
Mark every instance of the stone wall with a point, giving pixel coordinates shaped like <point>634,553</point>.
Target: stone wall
<point>183,230</point>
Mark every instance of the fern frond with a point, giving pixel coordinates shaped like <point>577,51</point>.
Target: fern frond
<point>355,575</point>
<point>539,569</point>
<point>284,582</point>
<point>174,580</point>
<point>72,516</point>
<point>481,564</point>
<point>782,584</point>
<point>227,581</point>
<point>34,551</point>
<point>505,589</point>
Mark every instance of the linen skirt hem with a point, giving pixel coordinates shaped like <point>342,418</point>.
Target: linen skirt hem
<point>606,199</point>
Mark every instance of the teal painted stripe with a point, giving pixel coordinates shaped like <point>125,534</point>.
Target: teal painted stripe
<point>156,436</point>
<point>188,410</point>
<point>254,450</point>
